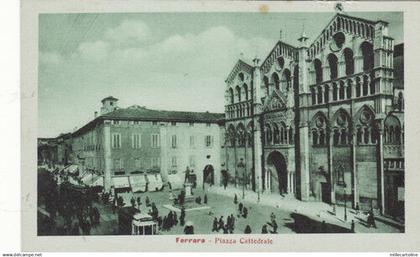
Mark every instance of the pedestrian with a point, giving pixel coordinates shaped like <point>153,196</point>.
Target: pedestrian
<point>205,199</point>
<point>224,176</point>
<point>221,223</point>
<point>352,226</point>
<point>98,216</point>
<point>155,211</point>
<point>182,217</point>
<point>240,208</point>
<point>232,223</point>
<point>170,219</point>
<point>357,209</point>
<point>215,225</point>
<point>138,202</point>
<point>235,199</point>
<point>147,201</point>
<point>274,226</point>
<point>159,222</point>
<point>245,212</point>
<point>198,200</point>
<point>272,216</point>
<point>189,230</point>
<point>323,227</point>
<point>225,229</point>
<point>264,229</point>
<point>175,219</point>
<point>133,202</point>
<point>248,230</point>
<point>371,220</point>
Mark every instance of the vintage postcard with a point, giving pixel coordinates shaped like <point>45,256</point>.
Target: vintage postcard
<point>217,126</point>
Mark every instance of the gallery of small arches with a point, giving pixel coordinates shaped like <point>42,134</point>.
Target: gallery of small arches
<point>239,97</point>
<point>278,133</point>
<point>239,135</point>
<point>343,75</point>
<point>361,129</point>
<point>278,81</point>
<point>341,25</point>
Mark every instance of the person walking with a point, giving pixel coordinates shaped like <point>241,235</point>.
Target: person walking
<point>133,202</point>
<point>357,209</point>
<point>147,201</point>
<point>232,223</point>
<point>138,202</point>
<point>245,212</point>
<point>264,229</point>
<point>221,222</point>
<point>240,208</point>
<point>182,217</point>
<point>215,225</point>
<point>224,176</point>
<point>248,230</point>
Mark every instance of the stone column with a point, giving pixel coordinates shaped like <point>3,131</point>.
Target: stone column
<point>257,106</point>
<point>354,162</point>
<point>381,168</point>
<point>330,163</point>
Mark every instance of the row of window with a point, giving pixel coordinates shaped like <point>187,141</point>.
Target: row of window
<point>155,141</point>
<point>364,135</point>
<point>155,123</point>
<point>139,163</point>
<point>342,90</point>
<point>135,141</point>
<point>118,163</point>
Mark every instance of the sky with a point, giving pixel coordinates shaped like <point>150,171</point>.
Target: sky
<point>168,61</point>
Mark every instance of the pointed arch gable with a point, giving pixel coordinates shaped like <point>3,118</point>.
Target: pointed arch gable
<point>341,118</point>
<point>358,116</point>
<point>319,120</point>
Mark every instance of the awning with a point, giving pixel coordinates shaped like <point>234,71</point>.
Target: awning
<point>98,181</point>
<point>93,180</point>
<point>155,182</point>
<point>138,183</point>
<point>120,182</point>
<point>72,169</point>
<point>87,178</point>
<point>175,181</point>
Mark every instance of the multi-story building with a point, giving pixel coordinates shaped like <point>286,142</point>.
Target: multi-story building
<point>322,121</point>
<point>121,142</point>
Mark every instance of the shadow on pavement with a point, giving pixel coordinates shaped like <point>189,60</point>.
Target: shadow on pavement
<point>304,224</point>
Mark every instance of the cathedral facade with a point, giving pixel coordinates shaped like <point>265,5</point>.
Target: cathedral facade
<point>322,120</point>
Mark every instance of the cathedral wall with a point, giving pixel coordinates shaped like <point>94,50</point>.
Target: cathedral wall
<point>367,176</point>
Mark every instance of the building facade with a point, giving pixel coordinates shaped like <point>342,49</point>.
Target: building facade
<point>121,142</point>
<point>322,120</point>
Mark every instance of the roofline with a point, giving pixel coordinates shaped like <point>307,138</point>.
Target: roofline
<point>345,16</point>
<point>272,50</point>
<point>236,63</point>
<point>104,117</point>
<point>108,97</point>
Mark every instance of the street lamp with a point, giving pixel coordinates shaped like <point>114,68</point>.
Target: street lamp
<point>241,165</point>
<point>258,186</point>
<point>341,182</point>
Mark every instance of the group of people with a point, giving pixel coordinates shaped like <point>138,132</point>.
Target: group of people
<point>168,221</point>
<point>228,227</point>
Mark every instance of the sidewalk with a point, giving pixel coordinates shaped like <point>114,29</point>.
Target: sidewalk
<point>316,210</point>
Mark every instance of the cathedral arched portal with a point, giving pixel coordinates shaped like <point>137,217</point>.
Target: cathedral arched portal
<point>277,174</point>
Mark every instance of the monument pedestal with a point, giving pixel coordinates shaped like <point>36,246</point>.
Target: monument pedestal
<point>188,192</point>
